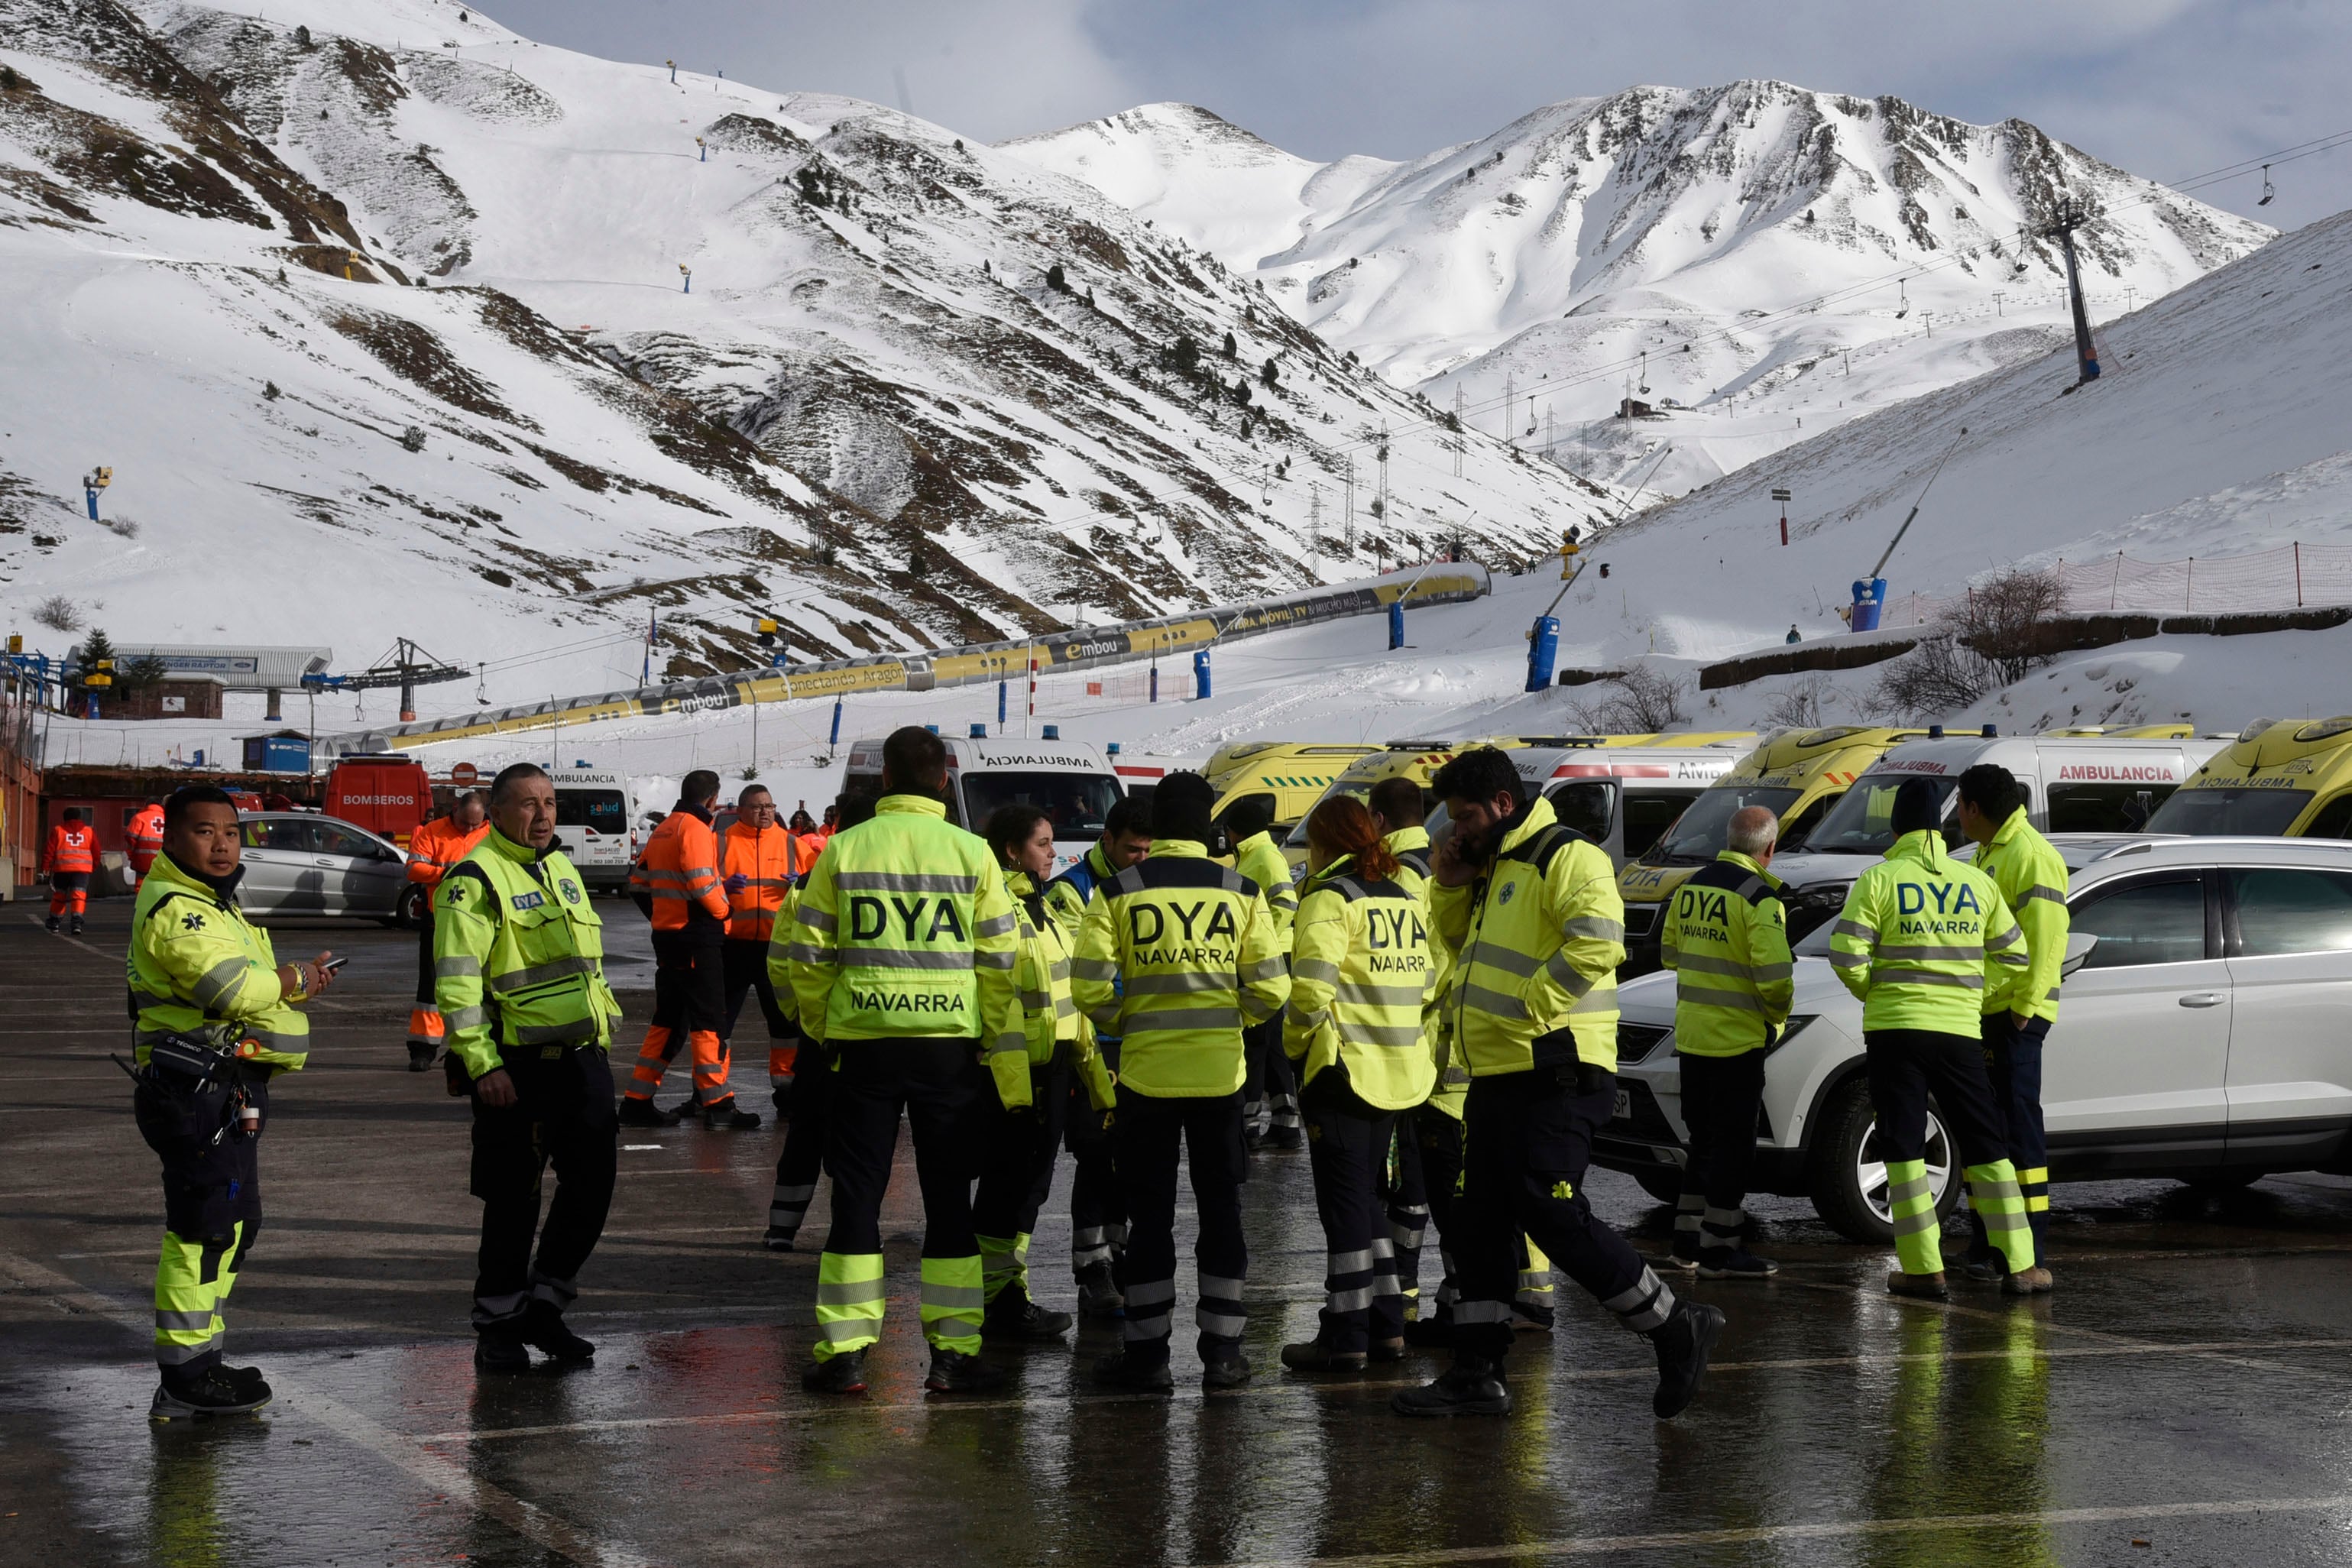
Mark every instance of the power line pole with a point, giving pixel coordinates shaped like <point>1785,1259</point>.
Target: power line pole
<point>1510,401</point>
<point>1352,509</point>
<point>1460,434</point>
<point>1381,510</point>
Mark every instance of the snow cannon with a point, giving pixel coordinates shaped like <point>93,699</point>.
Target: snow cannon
<point>1869,598</point>
<point>1543,652</point>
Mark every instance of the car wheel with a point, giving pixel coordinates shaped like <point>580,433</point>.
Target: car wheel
<point>1848,1168</point>
<point>408,913</point>
<point>1663,1183</point>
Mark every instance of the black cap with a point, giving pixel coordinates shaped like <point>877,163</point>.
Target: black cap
<point>1916,806</point>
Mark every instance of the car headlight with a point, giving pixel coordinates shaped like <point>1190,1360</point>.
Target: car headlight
<point>1788,1030</point>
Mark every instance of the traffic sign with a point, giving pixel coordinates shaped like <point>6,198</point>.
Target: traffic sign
<point>463,775</point>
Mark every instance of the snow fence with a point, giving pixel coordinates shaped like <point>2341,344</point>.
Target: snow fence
<point>970,664</point>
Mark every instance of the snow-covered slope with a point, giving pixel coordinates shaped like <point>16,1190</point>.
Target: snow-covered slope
<point>1530,271</point>
<point>875,413</point>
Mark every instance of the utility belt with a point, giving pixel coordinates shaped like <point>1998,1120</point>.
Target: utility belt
<point>191,1096</point>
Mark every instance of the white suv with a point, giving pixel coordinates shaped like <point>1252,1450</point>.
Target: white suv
<point>2201,1036</point>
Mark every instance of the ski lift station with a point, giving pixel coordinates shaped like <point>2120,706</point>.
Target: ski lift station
<point>270,669</point>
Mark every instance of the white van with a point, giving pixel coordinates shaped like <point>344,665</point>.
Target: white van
<point>1621,797</point>
<point>1070,781</point>
<point>594,824</point>
<point>2076,781</point>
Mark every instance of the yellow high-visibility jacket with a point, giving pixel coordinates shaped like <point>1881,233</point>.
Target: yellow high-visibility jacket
<point>518,956</point>
<point>1926,942</point>
<point>1725,936</point>
<point>1536,940</point>
<point>198,967</point>
<point>1259,858</point>
<point>904,928</point>
<point>2032,875</point>
<point>1360,978</point>
<point>1176,954</point>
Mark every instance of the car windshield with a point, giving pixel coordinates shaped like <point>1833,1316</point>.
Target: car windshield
<point>1697,835</point>
<point>2205,812</point>
<point>1858,822</point>
<point>1075,803</point>
<point>601,809</point>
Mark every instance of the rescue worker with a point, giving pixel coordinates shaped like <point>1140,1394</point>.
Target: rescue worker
<point>215,1020</point>
<point>904,946</point>
<point>1176,956</point>
<point>676,880</point>
<point>1360,976</point>
<point>67,860</point>
<point>2032,876</point>
<point>759,864</point>
<point>1428,1136</point>
<point>815,1080</point>
<point>142,839</point>
<point>1270,1107</point>
<point>1529,909</point>
<point>1927,943</point>
<point>1726,940</point>
<point>519,963</point>
<point>1025,1131</point>
<point>1097,1214</point>
<point>432,851</point>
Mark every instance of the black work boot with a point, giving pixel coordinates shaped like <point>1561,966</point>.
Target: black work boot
<point>1472,1385</point>
<point>1139,1373</point>
<point>500,1350</point>
<point>1683,1342</point>
<point>955,1371</point>
<point>52,927</point>
<point>1099,1294</point>
<point>1013,1316</point>
<point>248,1378</point>
<point>1317,1355</point>
<point>1224,1368</point>
<point>1431,1333</point>
<point>721,1116</point>
<point>206,1396</point>
<point>637,1112</point>
<point>543,1326</point>
<point>77,926</point>
<point>843,1374</point>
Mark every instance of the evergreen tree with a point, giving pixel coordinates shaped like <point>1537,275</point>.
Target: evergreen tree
<point>1269,376</point>
<point>1232,349</point>
<point>1056,280</point>
<point>1184,354</point>
<point>95,648</point>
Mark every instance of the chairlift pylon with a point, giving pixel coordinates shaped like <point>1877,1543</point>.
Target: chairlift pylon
<point>2269,190</point>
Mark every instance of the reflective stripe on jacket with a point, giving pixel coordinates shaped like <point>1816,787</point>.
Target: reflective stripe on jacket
<point>1411,848</point>
<point>1360,977</point>
<point>144,836</point>
<point>1725,936</point>
<point>1175,956</point>
<point>679,871</point>
<point>1926,942</point>
<point>198,967</point>
<point>72,846</point>
<point>1537,941</point>
<point>2032,875</point>
<point>768,863</point>
<point>1050,1020</point>
<point>1257,858</point>
<point>437,845</point>
<point>905,928</point>
<point>518,956</point>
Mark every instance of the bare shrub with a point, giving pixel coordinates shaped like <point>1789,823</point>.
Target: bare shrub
<point>1989,638</point>
<point>1800,705</point>
<point>126,527</point>
<point>1638,702</point>
<point>59,614</point>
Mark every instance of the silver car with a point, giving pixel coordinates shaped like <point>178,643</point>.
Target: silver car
<point>300,863</point>
<point>2201,1036</point>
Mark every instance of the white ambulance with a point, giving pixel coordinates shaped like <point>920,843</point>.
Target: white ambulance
<point>1621,797</point>
<point>593,816</point>
<point>1072,783</point>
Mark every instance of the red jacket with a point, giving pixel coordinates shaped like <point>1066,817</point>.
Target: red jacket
<point>73,847</point>
<point>679,871</point>
<point>144,836</point>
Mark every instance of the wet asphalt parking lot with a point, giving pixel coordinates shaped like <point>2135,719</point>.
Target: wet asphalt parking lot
<point>2186,1398</point>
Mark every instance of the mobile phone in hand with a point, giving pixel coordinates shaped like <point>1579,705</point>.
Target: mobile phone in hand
<point>332,964</point>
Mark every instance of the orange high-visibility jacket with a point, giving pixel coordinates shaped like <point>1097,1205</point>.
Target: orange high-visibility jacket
<point>73,847</point>
<point>144,836</point>
<point>679,871</point>
<point>771,861</point>
<point>437,845</point>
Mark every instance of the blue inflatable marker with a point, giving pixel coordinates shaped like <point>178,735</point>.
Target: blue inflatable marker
<point>1199,674</point>
<point>1396,625</point>
<point>1869,599</point>
<point>1543,652</point>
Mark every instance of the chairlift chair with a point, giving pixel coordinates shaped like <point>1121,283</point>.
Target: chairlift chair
<point>2269,190</point>
<point>1903,296</point>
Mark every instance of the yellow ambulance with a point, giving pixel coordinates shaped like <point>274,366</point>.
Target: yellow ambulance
<point>2288,778</point>
<point>1295,773</point>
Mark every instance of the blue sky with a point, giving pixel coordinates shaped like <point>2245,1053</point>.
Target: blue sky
<point>2167,88</point>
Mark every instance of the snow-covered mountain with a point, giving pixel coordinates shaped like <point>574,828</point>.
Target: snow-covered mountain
<point>388,307</point>
<point>1786,259</point>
